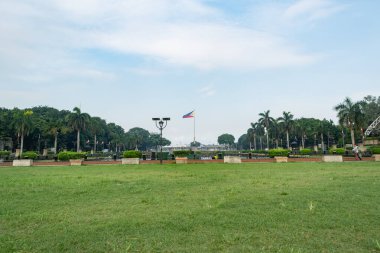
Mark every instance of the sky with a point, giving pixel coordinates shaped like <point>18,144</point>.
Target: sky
<point>127,61</point>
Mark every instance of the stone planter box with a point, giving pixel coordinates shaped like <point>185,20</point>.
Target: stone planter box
<point>332,158</point>
<point>377,157</point>
<point>281,159</point>
<point>23,162</point>
<point>130,161</point>
<point>76,162</point>
<point>232,159</point>
<point>181,160</point>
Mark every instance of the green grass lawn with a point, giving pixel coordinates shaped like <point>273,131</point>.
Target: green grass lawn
<point>293,207</point>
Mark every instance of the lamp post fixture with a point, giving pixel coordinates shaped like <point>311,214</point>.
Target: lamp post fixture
<point>161,124</point>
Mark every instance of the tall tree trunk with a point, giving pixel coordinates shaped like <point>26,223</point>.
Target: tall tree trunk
<point>276,143</point>
<point>352,136</point>
<point>322,144</point>
<point>287,139</point>
<point>254,142</point>
<point>55,142</point>
<point>303,140</point>
<point>267,140</point>
<point>261,142</point>
<point>95,143</point>
<point>22,143</point>
<point>78,140</point>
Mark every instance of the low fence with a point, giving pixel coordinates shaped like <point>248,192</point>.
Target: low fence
<point>189,161</point>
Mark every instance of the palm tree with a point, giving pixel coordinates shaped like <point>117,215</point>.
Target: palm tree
<point>287,121</point>
<point>276,129</point>
<point>302,128</point>
<point>350,114</point>
<point>265,120</point>
<point>78,121</point>
<point>252,132</point>
<point>23,124</point>
<point>54,129</point>
<point>96,127</point>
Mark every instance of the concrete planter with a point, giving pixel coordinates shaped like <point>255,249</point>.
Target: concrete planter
<point>232,159</point>
<point>76,162</point>
<point>332,158</point>
<point>181,160</point>
<point>23,162</point>
<point>130,161</point>
<point>281,159</point>
<point>377,157</point>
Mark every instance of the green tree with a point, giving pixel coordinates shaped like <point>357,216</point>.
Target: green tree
<point>97,127</point>
<point>78,121</point>
<point>227,139</point>
<point>54,129</point>
<point>155,140</point>
<point>252,134</point>
<point>23,124</point>
<point>350,115</point>
<point>287,121</point>
<point>138,138</point>
<point>265,120</point>
<point>243,142</point>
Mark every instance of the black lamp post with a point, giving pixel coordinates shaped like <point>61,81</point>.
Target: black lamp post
<point>161,124</point>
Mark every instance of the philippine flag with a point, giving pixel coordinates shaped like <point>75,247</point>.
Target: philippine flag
<point>189,115</point>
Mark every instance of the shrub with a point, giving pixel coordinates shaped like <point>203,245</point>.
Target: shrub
<point>4,153</point>
<point>29,155</point>
<point>337,151</point>
<point>65,156</point>
<point>305,151</point>
<point>132,154</point>
<point>278,152</point>
<point>182,153</point>
<point>375,150</point>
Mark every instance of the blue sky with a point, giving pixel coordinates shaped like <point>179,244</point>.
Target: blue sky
<point>128,61</point>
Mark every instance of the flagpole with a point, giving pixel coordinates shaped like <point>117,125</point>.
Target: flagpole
<point>194,129</point>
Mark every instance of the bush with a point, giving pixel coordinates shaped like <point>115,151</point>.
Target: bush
<point>375,150</point>
<point>305,151</point>
<point>29,155</point>
<point>182,153</point>
<point>4,154</point>
<point>337,151</point>
<point>132,154</point>
<point>65,156</point>
<point>278,152</point>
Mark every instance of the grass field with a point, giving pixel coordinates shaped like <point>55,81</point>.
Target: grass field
<point>293,207</point>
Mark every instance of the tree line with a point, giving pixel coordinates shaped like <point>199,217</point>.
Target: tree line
<point>45,127</point>
<point>287,131</point>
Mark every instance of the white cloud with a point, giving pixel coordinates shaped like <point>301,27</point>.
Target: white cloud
<point>184,33</point>
<point>207,91</point>
<point>312,9</point>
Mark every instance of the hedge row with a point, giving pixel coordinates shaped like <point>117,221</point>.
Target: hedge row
<point>337,151</point>
<point>375,150</point>
<point>65,156</point>
<point>29,155</point>
<point>132,154</point>
<point>278,152</point>
<point>4,153</point>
